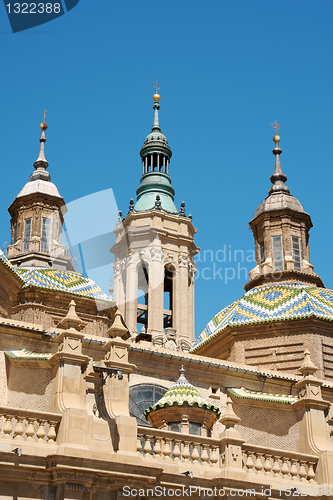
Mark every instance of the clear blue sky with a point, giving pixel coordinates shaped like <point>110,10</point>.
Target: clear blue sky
<point>227,70</point>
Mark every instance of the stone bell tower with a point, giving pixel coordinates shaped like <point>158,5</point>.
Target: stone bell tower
<point>281,228</point>
<point>37,219</point>
<point>154,254</point>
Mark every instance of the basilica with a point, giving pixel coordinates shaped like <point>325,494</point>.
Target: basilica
<point>111,396</point>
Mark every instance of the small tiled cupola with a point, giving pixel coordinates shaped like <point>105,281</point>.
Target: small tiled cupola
<point>183,409</point>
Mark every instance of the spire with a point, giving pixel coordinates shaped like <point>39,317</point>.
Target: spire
<point>155,152</point>
<point>156,97</point>
<point>281,232</point>
<point>155,180</point>
<point>278,179</point>
<point>41,160</point>
<point>41,163</point>
<point>182,379</point>
<point>156,126</point>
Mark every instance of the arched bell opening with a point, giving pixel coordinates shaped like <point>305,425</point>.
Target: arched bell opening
<point>143,299</point>
<point>168,296</point>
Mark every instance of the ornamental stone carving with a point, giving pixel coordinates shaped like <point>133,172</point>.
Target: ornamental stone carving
<point>156,254</point>
<point>125,261</point>
<point>169,341</point>
<point>192,269</point>
<point>183,260</point>
<point>142,254</point>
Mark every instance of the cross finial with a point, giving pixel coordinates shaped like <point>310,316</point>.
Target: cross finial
<point>44,115</point>
<point>276,126</point>
<point>157,86</point>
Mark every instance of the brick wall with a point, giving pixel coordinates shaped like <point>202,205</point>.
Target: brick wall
<point>29,388</point>
<point>268,427</point>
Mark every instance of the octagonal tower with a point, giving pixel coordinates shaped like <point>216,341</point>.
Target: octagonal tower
<point>154,254</point>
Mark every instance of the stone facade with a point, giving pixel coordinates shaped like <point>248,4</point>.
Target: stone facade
<point>76,378</point>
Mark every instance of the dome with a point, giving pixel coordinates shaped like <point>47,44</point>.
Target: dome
<point>155,142</point>
<point>182,392</point>
<point>63,281</point>
<point>155,136</point>
<point>268,303</point>
<point>279,201</point>
<point>39,186</point>
<point>152,184</point>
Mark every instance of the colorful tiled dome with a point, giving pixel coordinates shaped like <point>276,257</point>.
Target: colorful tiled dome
<point>5,260</point>
<point>65,281</point>
<point>271,302</point>
<point>182,392</point>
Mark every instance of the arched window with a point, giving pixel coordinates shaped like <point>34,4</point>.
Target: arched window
<point>142,396</point>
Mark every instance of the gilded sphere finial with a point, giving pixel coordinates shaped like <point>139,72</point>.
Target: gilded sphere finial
<point>43,126</point>
<point>276,139</point>
<point>156,97</point>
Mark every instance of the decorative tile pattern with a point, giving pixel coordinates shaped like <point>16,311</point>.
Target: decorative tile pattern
<point>27,355</point>
<point>262,396</point>
<point>65,281</point>
<point>271,302</point>
<point>4,258</point>
<point>182,392</point>
<point>53,279</point>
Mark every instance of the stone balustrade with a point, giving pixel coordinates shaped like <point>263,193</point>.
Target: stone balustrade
<point>176,446</point>
<point>274,463</point>
<point>29,426</point>
<point>280,464</point>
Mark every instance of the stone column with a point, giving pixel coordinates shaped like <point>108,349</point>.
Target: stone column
<point>181,299</point>
<point>131,295</point>
<point>192,269</point>
<point>119,293</point>
<point>156,289</point>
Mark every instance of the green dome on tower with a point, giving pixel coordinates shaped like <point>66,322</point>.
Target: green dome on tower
<point>155,190</point>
